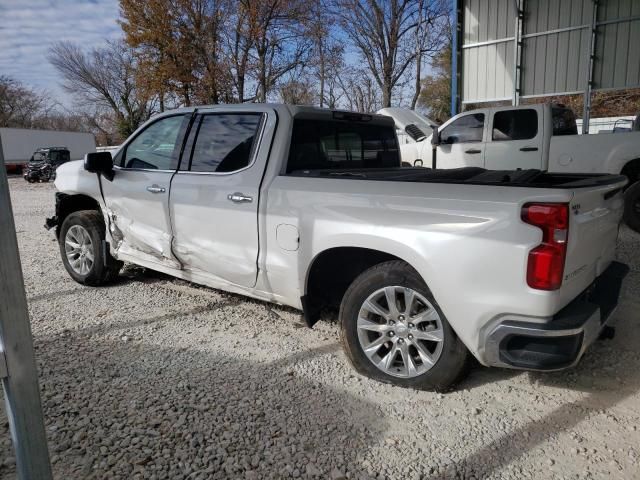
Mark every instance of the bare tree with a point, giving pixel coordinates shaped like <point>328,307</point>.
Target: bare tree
<point>326,52</point>
<point>239,40</point>
<point>384,33</point>
<point>103,78</point>
<point>21,106</point>
<point>360,91</point>
<point>297,92</point>
<point>280,45</point>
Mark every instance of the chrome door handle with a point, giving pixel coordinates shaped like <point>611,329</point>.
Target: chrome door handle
<point>156,189</point>
<point>238,197</point>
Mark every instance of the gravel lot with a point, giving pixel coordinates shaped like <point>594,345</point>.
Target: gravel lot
<point>157,378</point>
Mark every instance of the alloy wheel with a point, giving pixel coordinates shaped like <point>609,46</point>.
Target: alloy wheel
<point>400,331</point>
<point>79,249</point>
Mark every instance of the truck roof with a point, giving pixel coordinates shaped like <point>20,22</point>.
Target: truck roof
<point>293,110</point>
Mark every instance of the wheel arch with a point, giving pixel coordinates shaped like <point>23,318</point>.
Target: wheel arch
<point>66,204</point>
<point>631,170</point>
<point>322,288</point>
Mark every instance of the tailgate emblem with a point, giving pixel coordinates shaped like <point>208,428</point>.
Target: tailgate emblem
<point>575,208</point>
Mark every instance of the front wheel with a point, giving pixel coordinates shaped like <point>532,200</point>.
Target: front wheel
<point>81,237</point>
<point>394,331</point>
<point>632,207</point>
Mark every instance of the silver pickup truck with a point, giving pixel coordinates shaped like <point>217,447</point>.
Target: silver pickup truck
<point>310,208</point>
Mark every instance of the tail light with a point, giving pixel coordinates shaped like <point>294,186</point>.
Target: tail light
<point>545,266</point>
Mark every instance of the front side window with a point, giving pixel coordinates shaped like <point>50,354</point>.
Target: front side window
<point>224,142</point>
<point>326,144</point>
<point>515,125</point>
<point>155,148</point>
<point>464,130</point>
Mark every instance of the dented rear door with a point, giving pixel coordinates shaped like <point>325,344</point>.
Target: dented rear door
<point>138,197</point>
<point>215,194</point>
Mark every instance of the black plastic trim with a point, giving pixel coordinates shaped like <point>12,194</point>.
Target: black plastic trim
<point>550,348</point>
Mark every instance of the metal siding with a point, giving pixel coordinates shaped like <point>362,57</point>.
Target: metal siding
<point>483,21</point>
<point>617,62</point>
<point>633,70</point>
<point>510,8</point>
<point>562,61</point>
<point>552,62</point>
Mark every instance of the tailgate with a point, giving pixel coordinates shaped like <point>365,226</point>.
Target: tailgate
<point>595,215</point>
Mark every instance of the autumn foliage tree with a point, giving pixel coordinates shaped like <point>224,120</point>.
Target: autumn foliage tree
<point>435,94</point>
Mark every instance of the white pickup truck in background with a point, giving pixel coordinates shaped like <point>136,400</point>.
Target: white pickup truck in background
<point>309,208</point>
<point>541,136</point>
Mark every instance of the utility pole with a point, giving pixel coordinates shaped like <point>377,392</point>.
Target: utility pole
<point>17,362</point>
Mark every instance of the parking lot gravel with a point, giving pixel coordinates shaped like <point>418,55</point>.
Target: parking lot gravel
<point>154,378</point>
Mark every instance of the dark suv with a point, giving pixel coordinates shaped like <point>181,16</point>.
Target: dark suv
<point>43,163</point>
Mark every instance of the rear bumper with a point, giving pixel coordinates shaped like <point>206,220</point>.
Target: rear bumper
<point>559,342</point>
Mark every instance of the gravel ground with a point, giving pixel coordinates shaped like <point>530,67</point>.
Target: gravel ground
<point>157,378</point>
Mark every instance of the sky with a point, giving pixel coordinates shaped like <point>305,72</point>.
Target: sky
<point>29,27</point>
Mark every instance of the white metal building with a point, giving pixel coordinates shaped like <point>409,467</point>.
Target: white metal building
<point>507,50</point>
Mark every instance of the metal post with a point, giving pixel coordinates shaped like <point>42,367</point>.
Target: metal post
<point>586,113</point>
<point>517,52</point>
<point>456,57</point>
<point>17,362</point>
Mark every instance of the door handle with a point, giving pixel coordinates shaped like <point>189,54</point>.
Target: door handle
<point>529,149</point>
<point>473,151</point>
<point>156,189</point>
<point>238,197</point>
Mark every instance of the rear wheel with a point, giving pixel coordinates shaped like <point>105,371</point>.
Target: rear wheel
<point>394,331</point>
<point>632,207</point>
<point>81,237</point>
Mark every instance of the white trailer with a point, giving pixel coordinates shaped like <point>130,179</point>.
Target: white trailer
<point>19,144</point>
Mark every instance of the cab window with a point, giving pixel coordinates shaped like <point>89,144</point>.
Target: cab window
<point>515,125</point>
<point>328,144</point>
<point>464,130</point>
<point>223,142</point>
<point>156,147</point>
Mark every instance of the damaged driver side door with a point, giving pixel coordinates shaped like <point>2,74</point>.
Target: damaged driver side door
<point>138,197</point>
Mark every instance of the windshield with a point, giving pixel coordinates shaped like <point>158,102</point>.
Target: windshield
<point>39,157</point>
<point>331,145</point>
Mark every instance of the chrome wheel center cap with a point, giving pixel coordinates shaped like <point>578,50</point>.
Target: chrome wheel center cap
<point>402,330</point>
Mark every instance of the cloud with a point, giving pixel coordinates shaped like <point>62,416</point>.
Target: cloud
<point>29,27</point>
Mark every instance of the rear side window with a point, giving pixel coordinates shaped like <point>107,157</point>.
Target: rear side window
<point>464,130</point>
<point>225,142</point>
<point>515,125</point>
<point>564,122</point>
<point>326,144</point>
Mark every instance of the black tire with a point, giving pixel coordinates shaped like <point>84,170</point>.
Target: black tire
<point>448,369</point>
<point>632,206</point>
<point>102,270</point>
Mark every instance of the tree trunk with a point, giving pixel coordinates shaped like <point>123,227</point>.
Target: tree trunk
<point>418,85</point>
<point>262,91</point>
<point>322,73</point>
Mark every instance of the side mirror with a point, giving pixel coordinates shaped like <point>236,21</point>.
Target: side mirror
<point>100,163</point>
<point>435,137</point>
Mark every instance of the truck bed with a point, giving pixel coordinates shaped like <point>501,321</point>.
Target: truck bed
<point>471,175</point>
